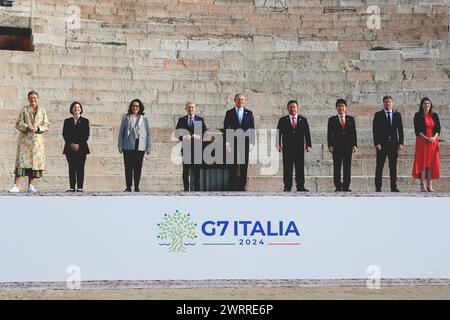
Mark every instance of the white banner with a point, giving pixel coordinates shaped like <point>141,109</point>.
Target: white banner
<point>219,237</point>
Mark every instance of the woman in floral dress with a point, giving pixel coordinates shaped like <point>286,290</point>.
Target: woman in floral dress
<point>32,123</point>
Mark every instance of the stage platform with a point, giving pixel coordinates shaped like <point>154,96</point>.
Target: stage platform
<point>58,237</point>
<point>229,194</point>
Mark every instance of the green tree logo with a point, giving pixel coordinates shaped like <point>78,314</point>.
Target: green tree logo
<point>176,227</point>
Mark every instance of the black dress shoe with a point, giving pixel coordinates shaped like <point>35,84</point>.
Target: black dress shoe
<point>394,190</point>
<point>128,189</point>
<point>286,190</point>
<point>302,189</point>
<point>71,190</point>
<point>378,190</point>
<point>346,190</point>
<point>136,189</point>
<point>338,189</point>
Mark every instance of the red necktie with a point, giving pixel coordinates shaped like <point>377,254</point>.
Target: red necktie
<point>342,122</point>
<point>294,122</point>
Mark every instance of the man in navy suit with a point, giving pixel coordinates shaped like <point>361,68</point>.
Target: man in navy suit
<point>388,141</point>
<point>341,136</point>
<point>194,127</point>
<point>239,126</point>
<point>294,139</point>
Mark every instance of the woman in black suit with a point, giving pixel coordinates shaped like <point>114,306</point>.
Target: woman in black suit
<point>76,135</point>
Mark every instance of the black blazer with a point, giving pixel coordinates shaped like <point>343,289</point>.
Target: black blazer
<point>293,140</point>
<point>341,138</point>
<point>384,133</point>
<point>183,124</point>
<point>419,123</point>
<point>248,122</point>
<point>78,134</point>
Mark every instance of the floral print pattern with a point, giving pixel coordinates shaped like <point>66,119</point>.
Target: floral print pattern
<point>31,146</point>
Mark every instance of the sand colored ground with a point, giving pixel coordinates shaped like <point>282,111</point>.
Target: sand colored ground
<point>269,293</point>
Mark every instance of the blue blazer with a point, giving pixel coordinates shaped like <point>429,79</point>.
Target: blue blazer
<point>127,142</point>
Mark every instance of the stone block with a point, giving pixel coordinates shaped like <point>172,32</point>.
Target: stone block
<point>294,45</point>
<point>381,55</point>
<point>8,92</point>
<point>360,76</point>
<point>190,64</point>
<point>420,53</point>
<point>215,44</point>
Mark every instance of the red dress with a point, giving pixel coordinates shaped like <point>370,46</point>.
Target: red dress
<point>427,154</point>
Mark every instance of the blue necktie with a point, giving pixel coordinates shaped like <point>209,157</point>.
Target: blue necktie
<point>239,115</point>
<point>389,119</point>
<point>191,123</point>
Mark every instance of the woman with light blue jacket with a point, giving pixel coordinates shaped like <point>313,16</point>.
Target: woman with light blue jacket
<point>134,142</point>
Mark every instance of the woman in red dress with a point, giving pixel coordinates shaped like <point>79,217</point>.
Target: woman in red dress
<point>426,159</point>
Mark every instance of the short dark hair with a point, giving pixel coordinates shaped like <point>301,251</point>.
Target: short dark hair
<point>387,97</point>
<point>338,101</point>
<point>292,101</point>
<point>421,104</point>
<point>32,92</point>
<point>237,95</point>
<point>73,105</point>
<point>141,107</point>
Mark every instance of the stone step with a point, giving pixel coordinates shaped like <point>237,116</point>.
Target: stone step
<point>256,184</point>
<point>167,167</point>
<point>192,19</point>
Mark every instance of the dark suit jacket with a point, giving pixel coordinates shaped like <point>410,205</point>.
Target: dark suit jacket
<point>78,134</point>
<point>341,138</point>
<point>293,140</point>
<point>384,133</point>
<point>248,122</point>
<point>183,124</point>
<point>419,124</point>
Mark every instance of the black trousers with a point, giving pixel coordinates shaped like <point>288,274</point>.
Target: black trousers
<point>133,166</point>
<point>390,151</point>
<point>196,171</point>
<point>342,158</point>
<point>239,169</point>
<point>76,161</point>
<point>289,161</point>
<point>239,177</point>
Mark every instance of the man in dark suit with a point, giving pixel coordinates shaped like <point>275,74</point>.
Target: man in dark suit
<point>294,139</point>
<point>341,138</point>
<point>191,129</point>
<point>239,126</point>
<point>388,141</point>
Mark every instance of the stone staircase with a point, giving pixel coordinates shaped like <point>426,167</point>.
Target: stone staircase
<point>105,53</point>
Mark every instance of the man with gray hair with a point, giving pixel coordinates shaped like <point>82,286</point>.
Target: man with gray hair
<point>190,130</point>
